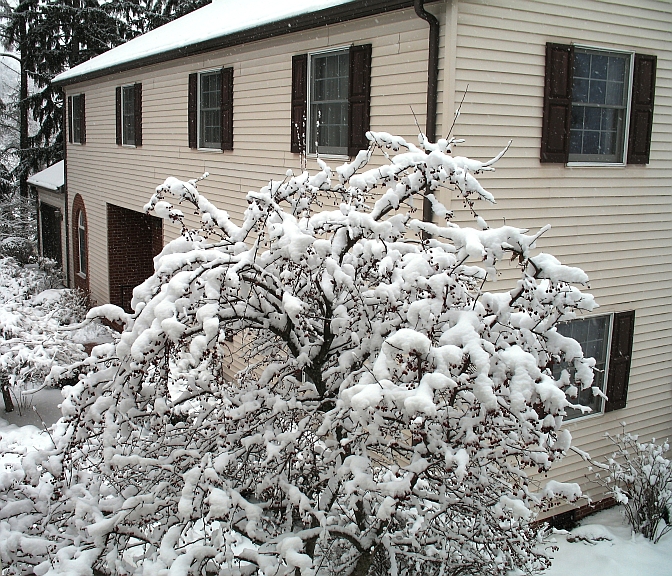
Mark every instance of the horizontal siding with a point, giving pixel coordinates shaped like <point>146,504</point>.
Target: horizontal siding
<point>262,90</point>
<point>615,223</point>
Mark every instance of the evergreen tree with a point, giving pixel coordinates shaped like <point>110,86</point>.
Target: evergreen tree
<point>139,16</point>
<point>55,35</point>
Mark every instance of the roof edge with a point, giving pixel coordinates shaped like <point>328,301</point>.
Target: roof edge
<point>334,15</point>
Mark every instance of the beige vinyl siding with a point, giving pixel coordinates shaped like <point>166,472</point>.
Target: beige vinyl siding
<point>614,222</point>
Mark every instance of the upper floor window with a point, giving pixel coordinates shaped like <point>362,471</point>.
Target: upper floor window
<point>129,115</point>
<point>600,102</point>
<point>211,109</point>
<point>331,94</point>
<point>76,119</point>
<point>598,106</point>
<point>328,97</point>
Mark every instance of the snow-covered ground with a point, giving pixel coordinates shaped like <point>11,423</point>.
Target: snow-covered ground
<point>602,545</point>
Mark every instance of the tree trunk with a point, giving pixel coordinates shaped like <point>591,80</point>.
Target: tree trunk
<point>23,115</point>
<point>7,397</point>
<point>363,564</point>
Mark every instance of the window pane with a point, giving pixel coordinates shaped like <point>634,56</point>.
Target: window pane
<point>609,119</point>
<point>616,69</point>
<point>575,140</point>
<point>607,140</point>
<point>209,119</point>
<point>128,115</point>
<point>76,119</point>
<point>581,65</point>
<point>599,93</point>
<point>614,93</point>
<point>593,336</point>
<point>581,89</point>
<point>329,103</point>
<point>591,142</point>
<point>598,66</point>
<point>592,119</point>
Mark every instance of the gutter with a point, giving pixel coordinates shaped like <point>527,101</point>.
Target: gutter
<point>67,199</point>
<point>329,16</point>
<point>432,86</point>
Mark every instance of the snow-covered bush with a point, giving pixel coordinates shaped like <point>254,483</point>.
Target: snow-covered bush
<point>326,388</point>
<point>17,217</point>
<point>32,335</point>
<point>639,477</point>
<point>21,249</point>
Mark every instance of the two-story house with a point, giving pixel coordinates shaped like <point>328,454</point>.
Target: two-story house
<point>583,87</point>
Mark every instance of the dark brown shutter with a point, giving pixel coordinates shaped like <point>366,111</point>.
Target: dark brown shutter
<point>359,98</point>
<point>82,118</point>
<point>70,119</point>
<point>193,111</point>
<point>117,107</point>
<point>137,113</point>
<point>226,115</point>
<point>557,103</point>
<point>619,360</point>
<point>299,102</point>
<point>641,109</point>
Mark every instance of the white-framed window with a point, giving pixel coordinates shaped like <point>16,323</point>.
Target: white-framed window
<point>328,88</point>
<point>598,106</point>
<point>128,115</point>
<point>594,335</point>
<point>81,244</point>
<point>210,109</point>
<point>601,95</point>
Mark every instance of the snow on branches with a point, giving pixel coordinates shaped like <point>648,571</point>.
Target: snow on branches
<point>389,413</point>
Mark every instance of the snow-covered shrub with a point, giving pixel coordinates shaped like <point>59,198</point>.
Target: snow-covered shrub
<point>324,388</point>
<point>639,477</point>
<point>21,249</point>
<point>18,217</point>
<point>32,335</point>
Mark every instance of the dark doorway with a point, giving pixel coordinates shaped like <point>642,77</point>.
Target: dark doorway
<point>133,239</point>
<point>50,228</point>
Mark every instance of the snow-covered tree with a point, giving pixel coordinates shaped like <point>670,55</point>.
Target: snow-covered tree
<point>390,416</point>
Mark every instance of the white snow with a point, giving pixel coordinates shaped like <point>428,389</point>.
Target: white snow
<point>215,20</point>
<point>624,555</point>
<point>51,178</point>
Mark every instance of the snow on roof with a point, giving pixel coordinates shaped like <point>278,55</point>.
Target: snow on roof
<point>216,20</point>
<point>51,178</point>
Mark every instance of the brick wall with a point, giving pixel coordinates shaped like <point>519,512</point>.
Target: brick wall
<point>133,239</point>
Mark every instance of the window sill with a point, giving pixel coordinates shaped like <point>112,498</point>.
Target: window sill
<point>81,275</point>
<point>218,150</point>
<point>583,418</point>
<point>128,146</point>
<point>343,157</point>
<point>595,164</point>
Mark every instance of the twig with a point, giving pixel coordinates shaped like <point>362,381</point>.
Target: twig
<point>44,424</point>
<point>457,112</point>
